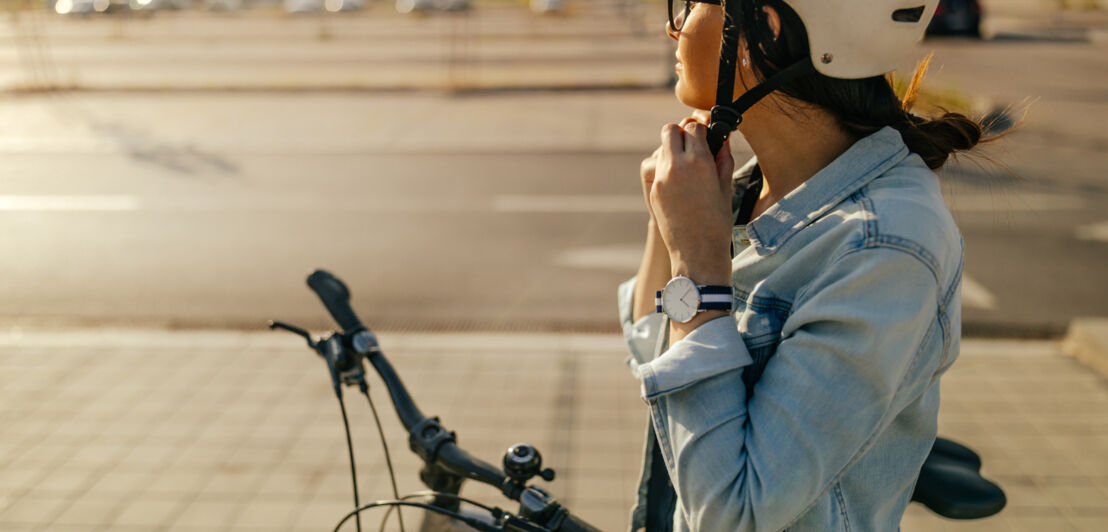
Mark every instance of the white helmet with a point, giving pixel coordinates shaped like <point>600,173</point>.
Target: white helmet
<point>853,39</point>
<point>849,39</point>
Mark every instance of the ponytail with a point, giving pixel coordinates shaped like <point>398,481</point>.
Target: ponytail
<point>862,106</point>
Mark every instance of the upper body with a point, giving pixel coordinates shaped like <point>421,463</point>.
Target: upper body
<point>813,402</point>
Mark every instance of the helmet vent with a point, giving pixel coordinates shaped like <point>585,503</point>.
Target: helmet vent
<point>912,14</point>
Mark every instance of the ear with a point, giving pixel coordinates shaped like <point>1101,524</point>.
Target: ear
<point>774,21</point>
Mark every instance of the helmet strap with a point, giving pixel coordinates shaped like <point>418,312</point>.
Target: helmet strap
<point>727,114</point>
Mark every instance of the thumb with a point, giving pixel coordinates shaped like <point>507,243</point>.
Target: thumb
<point>725,167</point>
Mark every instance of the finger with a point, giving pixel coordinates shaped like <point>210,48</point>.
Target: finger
<point>702,116</point>
<point>673,140</point>
<point>725,167</point>
<point>696,138</point>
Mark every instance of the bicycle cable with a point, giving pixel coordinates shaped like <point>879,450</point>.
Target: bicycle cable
<point>429,493</point>
<point>353,470</point>
<point>388,459</point>
<point>475,523</point>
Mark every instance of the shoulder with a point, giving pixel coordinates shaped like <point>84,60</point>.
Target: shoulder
<point>901,210</point>
<point>904,209</point>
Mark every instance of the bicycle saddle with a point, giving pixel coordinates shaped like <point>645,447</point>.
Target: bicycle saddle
<point>951,485</point>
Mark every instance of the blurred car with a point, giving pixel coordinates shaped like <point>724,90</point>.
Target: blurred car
<point>74,7</point>
<point>222,5</point>
<point>956,17</point>
<point>314,6</point>
<point>408,6</point>
<point>548,6</point>
<point>303,6</point>
<point>159,5</point>
<point>111,6</point>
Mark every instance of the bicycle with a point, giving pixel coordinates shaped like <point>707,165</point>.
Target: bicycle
<point>950,483</point>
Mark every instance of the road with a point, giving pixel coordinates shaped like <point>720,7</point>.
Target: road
<point>479,210</point>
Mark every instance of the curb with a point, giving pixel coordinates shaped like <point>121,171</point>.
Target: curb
<point>1087,342</point>
<point>455,89</point>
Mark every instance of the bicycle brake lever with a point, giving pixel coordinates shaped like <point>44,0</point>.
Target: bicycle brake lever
<point>295,330</point>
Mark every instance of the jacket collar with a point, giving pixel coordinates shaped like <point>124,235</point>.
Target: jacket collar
<point>855,168</point>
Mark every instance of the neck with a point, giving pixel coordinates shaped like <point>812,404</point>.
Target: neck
<point>791,146</point>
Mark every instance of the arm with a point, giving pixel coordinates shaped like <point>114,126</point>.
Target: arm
<point>655,270</point>
<point>654,273</point>
<point>830,388</point>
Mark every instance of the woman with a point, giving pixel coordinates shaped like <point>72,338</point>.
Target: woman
<point>790,321</point>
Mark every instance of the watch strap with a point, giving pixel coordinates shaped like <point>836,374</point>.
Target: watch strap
<point>715,298</point>
<point>712,297</point>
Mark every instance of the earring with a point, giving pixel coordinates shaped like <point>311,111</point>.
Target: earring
<point>746,62</point>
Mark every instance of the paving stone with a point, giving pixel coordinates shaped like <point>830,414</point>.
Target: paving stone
<point>88,512</point>
<point>206,514</point>
<point>264,513</point>
<point>31,509</point>
<point>213,455</point>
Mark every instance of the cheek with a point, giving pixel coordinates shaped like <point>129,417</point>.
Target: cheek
<point>699,47</point>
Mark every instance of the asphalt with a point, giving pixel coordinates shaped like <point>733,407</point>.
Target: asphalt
<point>150,429</point>
<point>146,430</point>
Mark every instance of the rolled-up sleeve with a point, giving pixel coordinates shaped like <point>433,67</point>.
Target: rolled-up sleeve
<point>846,350</point>
<point>642,336</point>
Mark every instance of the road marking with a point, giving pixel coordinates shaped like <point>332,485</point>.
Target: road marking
<point>624,259</point>
<point>1013,202</point>
<point>68,203</point>
<point>549,203</point>
<point>1097,231</point>
<point>975,295</point>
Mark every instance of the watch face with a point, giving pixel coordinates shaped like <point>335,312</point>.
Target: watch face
<point>680,299</point>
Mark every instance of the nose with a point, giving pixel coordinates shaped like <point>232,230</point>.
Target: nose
<point>673,34</point>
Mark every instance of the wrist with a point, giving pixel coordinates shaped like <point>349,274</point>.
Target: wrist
<point>716,272</point>
<point>678,331</point>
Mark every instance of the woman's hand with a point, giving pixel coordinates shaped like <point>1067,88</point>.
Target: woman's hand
<point>650,164</point>
<point>690,201</point>
<point>654,271</point>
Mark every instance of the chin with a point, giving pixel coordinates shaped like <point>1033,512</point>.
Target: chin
<point>692,98</point>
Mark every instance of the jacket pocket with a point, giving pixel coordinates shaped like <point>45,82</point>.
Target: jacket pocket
<point>760,320</point>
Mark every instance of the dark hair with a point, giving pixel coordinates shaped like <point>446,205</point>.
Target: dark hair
<point>861,106</point>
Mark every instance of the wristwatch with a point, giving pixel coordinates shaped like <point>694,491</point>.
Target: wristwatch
<point>682,299</point>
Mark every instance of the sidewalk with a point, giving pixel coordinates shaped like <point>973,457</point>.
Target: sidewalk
<point>209,431</point>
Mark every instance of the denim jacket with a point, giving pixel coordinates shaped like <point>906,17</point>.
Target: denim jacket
<point>813,406</point>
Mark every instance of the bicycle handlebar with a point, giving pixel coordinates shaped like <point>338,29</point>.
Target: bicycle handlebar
<point>336,298</point>
<point>427,437</point>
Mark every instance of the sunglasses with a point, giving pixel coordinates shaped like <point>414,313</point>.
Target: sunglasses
<point>682,8</point>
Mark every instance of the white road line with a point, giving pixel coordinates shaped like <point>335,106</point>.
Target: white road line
<point>68,203</point>
<point>624,258</point>
<point>975,295</point>
<point>1098,231</point>
<point>1002,202</point>
<point>548,203</point>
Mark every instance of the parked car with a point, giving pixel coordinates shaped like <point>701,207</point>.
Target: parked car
<point>222,5</point>
<point>303,6</point>
<point>956,17</point>
<point>315,6</point>
<point>548,6</point>
<point>159,5</point>
<point>335,6</point>
<point>74,7</point>
<point>409,6</point>
<point>111,6</point>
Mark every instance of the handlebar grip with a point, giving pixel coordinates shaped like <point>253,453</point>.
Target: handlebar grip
<point>575,524</point>
<point>336,297</point>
